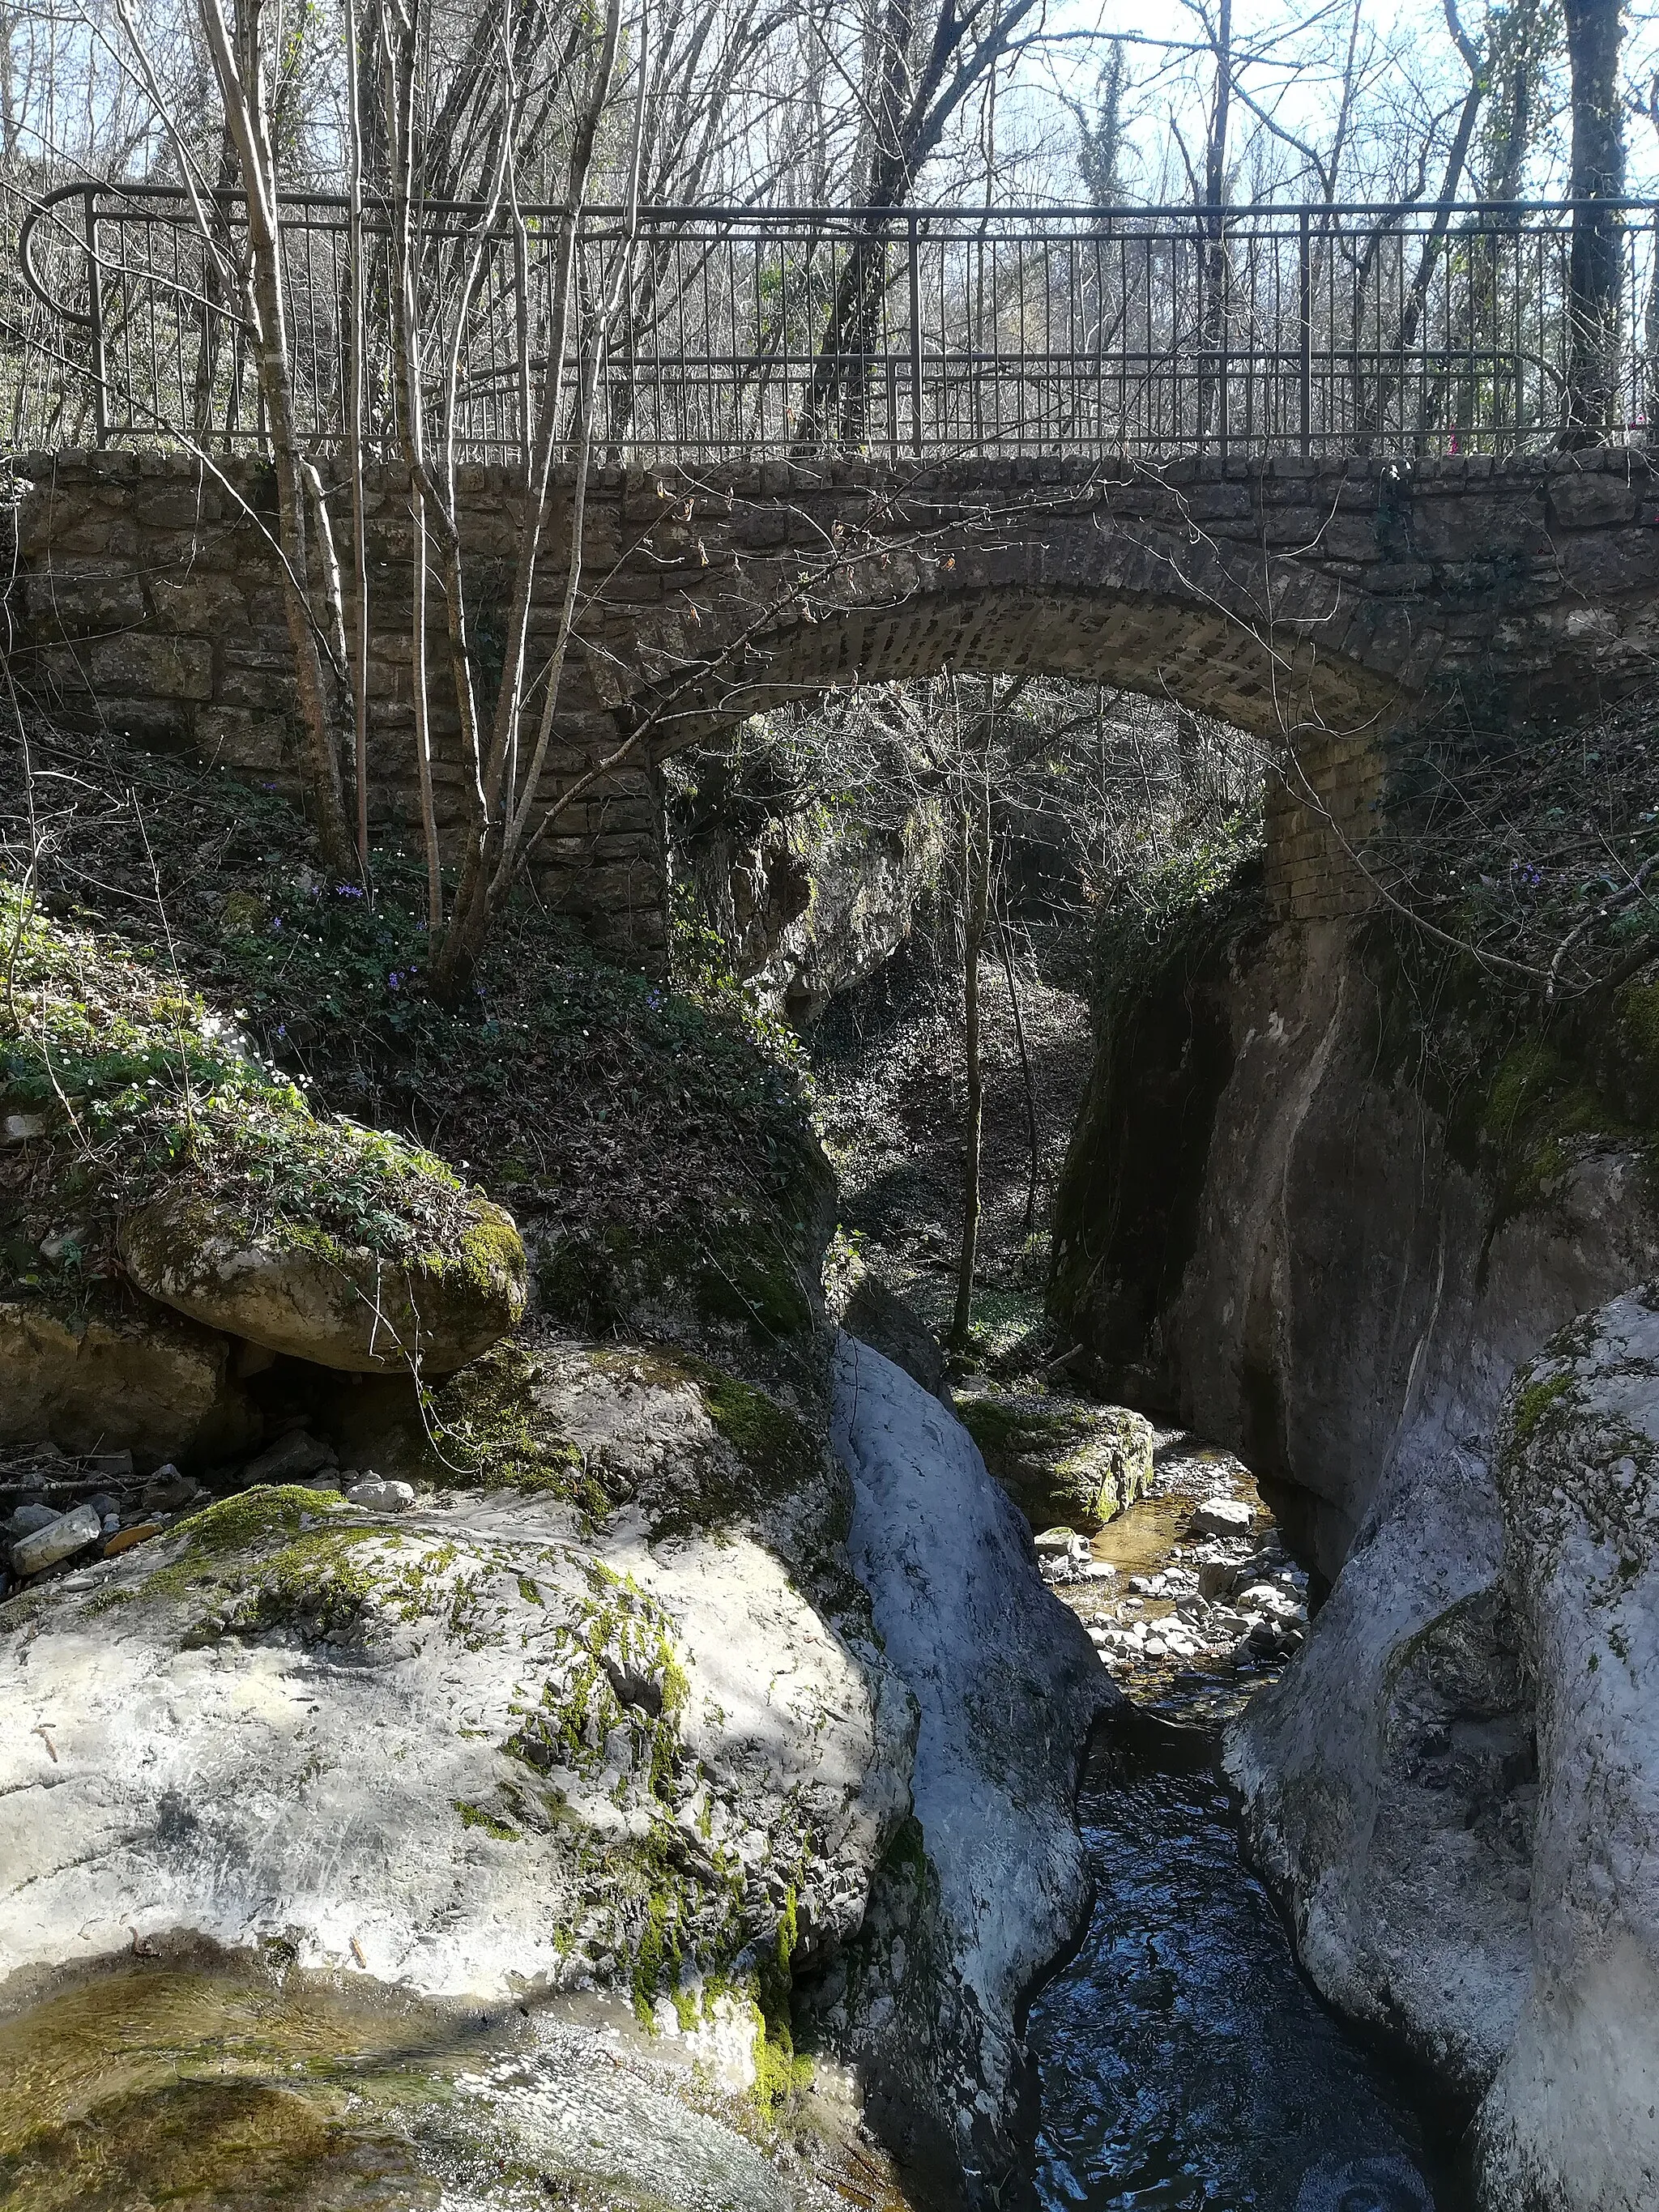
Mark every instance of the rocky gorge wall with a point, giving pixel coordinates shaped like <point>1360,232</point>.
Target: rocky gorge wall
<point>1271,1226</point>
<point>1344,1206</point>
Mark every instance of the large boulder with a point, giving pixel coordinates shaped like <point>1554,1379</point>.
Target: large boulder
<point>989,1883</point>
<point>889,1325</point>
<point>292,1287</point>
<point>120,1375</point>
<point>514,1743</point>
<point>1456,1787</point>
<point>1063,1459</point>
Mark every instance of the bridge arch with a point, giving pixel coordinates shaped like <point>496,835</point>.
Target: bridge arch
<point>1324,604</point>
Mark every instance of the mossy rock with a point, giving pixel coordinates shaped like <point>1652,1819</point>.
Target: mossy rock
<point>1061,1459</point>
<point>595,1426</point>
<point>118,1372</point>
<point>290,1286</point>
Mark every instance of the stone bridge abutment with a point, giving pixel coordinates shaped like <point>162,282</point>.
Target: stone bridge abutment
<point>1327,606</point>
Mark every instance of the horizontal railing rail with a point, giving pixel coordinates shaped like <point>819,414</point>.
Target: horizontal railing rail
<point>1360,327</point>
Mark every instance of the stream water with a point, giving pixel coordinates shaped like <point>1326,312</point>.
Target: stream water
<point>1185,2062</point>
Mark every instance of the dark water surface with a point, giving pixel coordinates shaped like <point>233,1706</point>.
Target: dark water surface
<point>1185,2062</point>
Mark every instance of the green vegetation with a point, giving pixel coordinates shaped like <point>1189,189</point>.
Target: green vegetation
<point>296,1558</point>
<point>473,1816</point>
<point>659,1136</point>
<point>142,1092</point>
<point>489,1430</point>
<point>1533,1402</point>
<point>1067,1460</point>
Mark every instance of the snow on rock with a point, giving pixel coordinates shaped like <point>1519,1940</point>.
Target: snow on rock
<point>993,1884</point>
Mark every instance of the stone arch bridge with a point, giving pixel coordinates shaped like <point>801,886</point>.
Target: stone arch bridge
<point>1328,604</point>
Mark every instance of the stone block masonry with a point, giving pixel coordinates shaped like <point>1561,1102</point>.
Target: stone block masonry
<point>1324,606</point>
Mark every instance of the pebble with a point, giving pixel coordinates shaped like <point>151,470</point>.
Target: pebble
<point>381,1497</point>
<point>60,1540</point>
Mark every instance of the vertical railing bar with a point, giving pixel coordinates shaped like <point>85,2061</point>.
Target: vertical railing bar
<point>1304,300</point>
<point>916,337</point>
<point>96,304</point>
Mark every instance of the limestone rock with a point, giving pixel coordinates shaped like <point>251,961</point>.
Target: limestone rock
<point>63,1537</point>
<point>499,1747</point>
<point>1384,1778</point>
<point>27,1519</point>
<point>1222,1517</point>
<point>381,1497</point>
<point>290,1458</point>
<point>993,1883</point>
<point>1570,2119</point>
<point>1456,1786</point>
<point>338,1305</point>
<point>122,1375</point>
<point>1062,1458</point>
<point>883,1320</point>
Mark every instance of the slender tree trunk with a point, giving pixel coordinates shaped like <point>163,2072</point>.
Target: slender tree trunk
<point>976,863</point>
<point>1213,390</point>
<point>1006,936</point>
<point>358,401</point>
<point>1594,281</point>
<point>237,65</point>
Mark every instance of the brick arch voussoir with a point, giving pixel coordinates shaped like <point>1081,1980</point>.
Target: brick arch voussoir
<point>1264,651</point>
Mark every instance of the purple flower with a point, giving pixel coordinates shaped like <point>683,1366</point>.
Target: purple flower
<point>393,979</point>
<point>282,1028</point>
<point>276,922</point>
<point>348,890</point>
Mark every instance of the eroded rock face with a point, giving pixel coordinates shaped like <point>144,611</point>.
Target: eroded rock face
<point>483,1747</point>
<point>987,1884</point>
<point>119,1376</point>
<point>337,1304</point>
<point>1268,1223</point>
<point>1570,2119</point>
<point>1456,1788</point>
<point>1390,1765</point>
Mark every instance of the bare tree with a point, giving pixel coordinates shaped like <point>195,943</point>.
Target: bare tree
<point>1597,174</point>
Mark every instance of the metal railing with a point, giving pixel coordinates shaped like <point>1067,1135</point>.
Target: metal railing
<point>1150,332</point>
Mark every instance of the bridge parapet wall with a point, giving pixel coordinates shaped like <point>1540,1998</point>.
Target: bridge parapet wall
<point>1326,606</point>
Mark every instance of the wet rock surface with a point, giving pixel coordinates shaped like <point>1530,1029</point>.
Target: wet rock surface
<point>206,2081</point>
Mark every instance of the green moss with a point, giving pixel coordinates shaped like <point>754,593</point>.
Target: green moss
<point>781,2073</point>
<point>1637,1007</point>
<point>293,1558</point>
<point>492,1251</point>
<point>772,1454</point>
<point>474,1816</point>
<point>161,1116</point>
<point>1067,1461</point>
<point>772,1443</point>
<point>1538,1110</point>
<point>1533,1402</point>
<point>489,1430</point>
